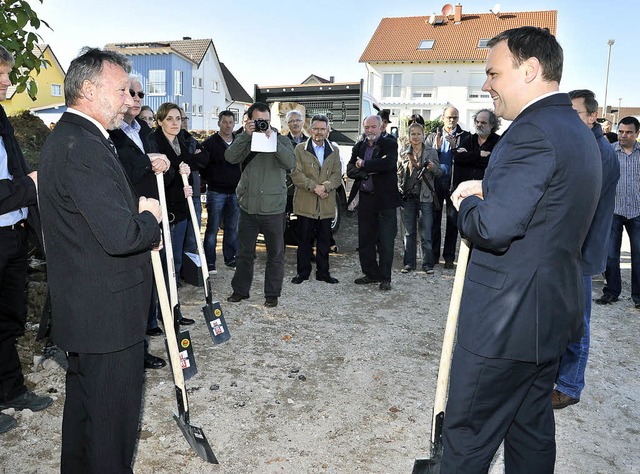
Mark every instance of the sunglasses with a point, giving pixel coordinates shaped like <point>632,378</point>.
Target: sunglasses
<point>133,93</point>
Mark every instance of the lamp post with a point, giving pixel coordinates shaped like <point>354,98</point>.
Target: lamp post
<point>606,81</point>
<point>619,110</point>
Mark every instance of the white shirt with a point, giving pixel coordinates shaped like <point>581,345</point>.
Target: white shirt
<point>11,217</point>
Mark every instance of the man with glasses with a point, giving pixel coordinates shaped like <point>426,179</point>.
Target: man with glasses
<point>262,197</point>
<point>295,122</point>
<point>472,156</point>
<point>316,177</point>
<point>446,139</point>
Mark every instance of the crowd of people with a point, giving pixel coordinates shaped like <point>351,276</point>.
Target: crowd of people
<point>540,227</point>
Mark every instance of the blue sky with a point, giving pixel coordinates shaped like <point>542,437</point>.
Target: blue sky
<point>283,42</point>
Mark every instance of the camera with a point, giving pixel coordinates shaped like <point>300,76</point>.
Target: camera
<point>261,125</point>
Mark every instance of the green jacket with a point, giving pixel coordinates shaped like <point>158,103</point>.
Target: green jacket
<point>262,188</point>
<point>308,174</point>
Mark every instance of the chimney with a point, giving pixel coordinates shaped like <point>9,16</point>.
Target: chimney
<point>332,79</point>
<point>457,15</point>
<point>187,38</point>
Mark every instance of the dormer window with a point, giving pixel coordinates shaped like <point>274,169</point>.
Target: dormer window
<point>482,43</point>
<point>426,44</point>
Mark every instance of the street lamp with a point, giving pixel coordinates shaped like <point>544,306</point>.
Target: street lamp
<point>606,81</point>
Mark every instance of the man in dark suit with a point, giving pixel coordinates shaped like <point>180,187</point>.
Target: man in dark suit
<point>18,214</point>
<point>373,165</point>
<point>522,300</point>
<point>97,235</point>
<point>570,378</point>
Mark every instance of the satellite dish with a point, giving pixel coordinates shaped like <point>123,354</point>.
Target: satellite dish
<point>496,9</point>
<point>432,19</point>
<point>447,9</point>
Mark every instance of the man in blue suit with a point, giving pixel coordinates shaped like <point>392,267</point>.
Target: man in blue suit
<point>570,378</point>
<point>522,300</point>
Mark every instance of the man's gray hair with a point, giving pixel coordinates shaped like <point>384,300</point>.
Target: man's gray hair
<point>6,58</point>
<point>377,117</point>
<point>293,112</point>
<point>88,67</point>
<point>494,121</point>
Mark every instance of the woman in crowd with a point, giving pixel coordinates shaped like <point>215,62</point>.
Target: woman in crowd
<point>146,115</point>
<point>169,143</point>
<point>417,167</point>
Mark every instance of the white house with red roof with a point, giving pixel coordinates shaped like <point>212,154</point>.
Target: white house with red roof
<point>421,64</point>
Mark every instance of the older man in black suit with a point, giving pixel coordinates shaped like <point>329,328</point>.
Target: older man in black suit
<point>373,165</point>
<point>522,299</point>
<point>98,235</point>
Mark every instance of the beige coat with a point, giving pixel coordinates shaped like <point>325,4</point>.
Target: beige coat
<point>308,174</point>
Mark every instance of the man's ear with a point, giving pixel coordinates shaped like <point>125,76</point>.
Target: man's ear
<point>532,69</point>
<point>88,89</point>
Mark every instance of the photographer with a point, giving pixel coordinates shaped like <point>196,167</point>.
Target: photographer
<point>262,197</point>
<point>417,168</point>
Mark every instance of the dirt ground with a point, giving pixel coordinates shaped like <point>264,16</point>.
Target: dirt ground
<point>336,379</point>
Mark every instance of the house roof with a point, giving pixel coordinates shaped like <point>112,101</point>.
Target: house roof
<point>190,49</point>
<point>397,39</point>
<point>318,79</point>
<point>237,92</point>
<point>38,50</point>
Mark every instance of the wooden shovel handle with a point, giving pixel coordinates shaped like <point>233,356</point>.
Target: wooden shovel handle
<point>167,320</point>
<point>196,230</point>
<point>442,385</point>
<point>168,246</point>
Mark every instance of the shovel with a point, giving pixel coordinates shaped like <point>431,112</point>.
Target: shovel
<point>189,362</point>
<point>431,465</point>
<point>212,311</point>
<point>193,434</point>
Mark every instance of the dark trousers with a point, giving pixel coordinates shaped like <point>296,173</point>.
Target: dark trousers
<point>377,231</point>
<point>272,228</point>
<point>13,309</point>
<point>101,411</point>
<point>443,196</point>
<point>614,281</point>
<point>491,400</point>
<point>308,230</point>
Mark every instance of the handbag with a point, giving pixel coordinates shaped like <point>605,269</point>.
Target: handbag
<point>437,206</point>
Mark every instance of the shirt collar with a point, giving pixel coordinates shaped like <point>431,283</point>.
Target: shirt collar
<point>90,119</point>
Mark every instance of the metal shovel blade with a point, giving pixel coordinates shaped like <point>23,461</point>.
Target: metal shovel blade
<point>197,440</point>
<point>216,323</point>
<point>427,466</point>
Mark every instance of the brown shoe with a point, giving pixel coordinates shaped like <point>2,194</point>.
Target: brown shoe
<point>559,400</point>
<point>271,301</point>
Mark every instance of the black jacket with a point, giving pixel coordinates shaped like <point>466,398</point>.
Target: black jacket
<point>381,168</point>
<point>469,165</point>
<point>222,176</point>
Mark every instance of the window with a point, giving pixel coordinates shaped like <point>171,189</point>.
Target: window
<point>56,90</point>
<point>200,110</point>
<point>157,82</point>
<point>236,114</point>
<point>476,81</point>
<point>194,82</point>
<point>422,85</point>
<point>426,113</point>
<point>391,84</point>
<point>185,107</point>
<point>200,82</point>
<point>426,44</point>
<point>177,82</point>
<point>215,86</point>
<point>482,42</point>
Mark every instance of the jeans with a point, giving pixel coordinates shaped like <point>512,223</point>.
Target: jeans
<point>422,212</point>
<point>614,282</point>
<point>178,230</point>
<point>443,195</point>
<point>570,378</point>
<point>220,207</point>
<point>190,244</point>
<point>272,228</point>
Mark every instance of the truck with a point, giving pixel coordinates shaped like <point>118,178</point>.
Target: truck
<point>345,104</point>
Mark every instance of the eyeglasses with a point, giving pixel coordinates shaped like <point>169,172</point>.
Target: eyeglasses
<point>133,93</point>
<point>318,130</point>
<point>454,117</point>
<point>294,121</point>
<point>184,119</point>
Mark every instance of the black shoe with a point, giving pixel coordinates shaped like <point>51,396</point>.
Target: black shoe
<point>186,321</point>
<point>7,423</point>
<point>385,285</point>
<point>28,400</point>
<point>607,299</point>
<point>271,301</point>
<point>212,269</point>
<point>236,297</point>
<point>427,269</point>
<point>231,264</point>
<point>448,265</point>
<point>333,249</point>
<point>156,331</point>
<point>298,279</point>
<point>153,362</point>
<point>365,280</point>
<point>328,279</point>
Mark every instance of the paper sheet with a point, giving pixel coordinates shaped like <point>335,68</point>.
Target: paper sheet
<point>260,142</point>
